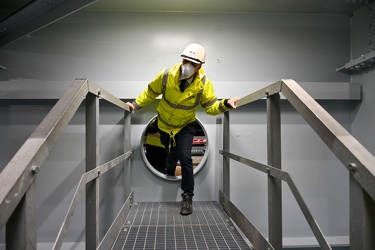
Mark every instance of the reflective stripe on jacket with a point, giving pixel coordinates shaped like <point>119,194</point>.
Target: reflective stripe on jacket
<point>176,108</point>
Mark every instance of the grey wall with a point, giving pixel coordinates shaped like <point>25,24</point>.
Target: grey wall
<point>364,116</point>
<point>123,51</point>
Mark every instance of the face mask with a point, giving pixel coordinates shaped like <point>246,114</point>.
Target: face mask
<point>187,70</point>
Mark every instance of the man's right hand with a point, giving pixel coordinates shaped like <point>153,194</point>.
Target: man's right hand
<point>131,106</point>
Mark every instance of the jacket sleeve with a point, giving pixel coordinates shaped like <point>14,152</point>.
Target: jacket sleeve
<point>153,90</point>
<point>209,101</point>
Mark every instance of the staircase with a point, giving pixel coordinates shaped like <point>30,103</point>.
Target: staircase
<point>158,225</point>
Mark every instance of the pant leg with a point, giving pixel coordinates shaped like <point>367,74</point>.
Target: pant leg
<point>156,156</point>
<point>171,151</point>
<point>182,151</point>
<point>184,144</point>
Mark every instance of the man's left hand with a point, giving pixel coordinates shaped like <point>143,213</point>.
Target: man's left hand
<point>232,102</point>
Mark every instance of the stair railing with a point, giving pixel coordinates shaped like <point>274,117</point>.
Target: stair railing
<point>357,159</point>
<point>17,189</point>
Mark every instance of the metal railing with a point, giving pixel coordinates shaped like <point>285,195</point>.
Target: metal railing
<point>359,162</point>
<point>17,190</point>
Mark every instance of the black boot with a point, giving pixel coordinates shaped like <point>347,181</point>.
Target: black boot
<point>186,204</point>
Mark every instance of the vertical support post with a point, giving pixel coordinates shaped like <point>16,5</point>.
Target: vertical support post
<point>274,160</point>
<point>226,160</point>
<point>362,217</point>
<point>127,147</point>
<point>21,226</point>
<point>92,161</point>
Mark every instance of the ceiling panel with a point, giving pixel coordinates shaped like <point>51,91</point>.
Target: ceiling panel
<point>36,15</point>
<point>21,17</point>
<point>268,6</point>
<point>9,7</point>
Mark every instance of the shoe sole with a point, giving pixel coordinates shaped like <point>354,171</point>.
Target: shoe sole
<point>186,213</point>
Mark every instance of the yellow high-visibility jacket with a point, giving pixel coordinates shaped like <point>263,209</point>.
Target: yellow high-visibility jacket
<point>154,140</point>
<point>177,109</point>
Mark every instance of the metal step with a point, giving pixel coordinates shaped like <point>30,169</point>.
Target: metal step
<point>159,225</point>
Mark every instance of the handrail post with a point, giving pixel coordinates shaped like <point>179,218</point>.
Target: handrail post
<point>274,160</point>
<point>21,226</point>
<point>362,217</point>
<point>92,161</point>
<point>226,160</point>
<point>127,147</point>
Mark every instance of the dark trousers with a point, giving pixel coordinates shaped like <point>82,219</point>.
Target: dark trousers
<point>181,151</point>
<point>156,156</point>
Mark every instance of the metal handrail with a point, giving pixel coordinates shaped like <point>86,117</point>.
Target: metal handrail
<point>284,176</point>
<point>17,179</point>
<point>356,158</point>
<point>86,178</point>
<point>347,149</point>
<point>17,189</point>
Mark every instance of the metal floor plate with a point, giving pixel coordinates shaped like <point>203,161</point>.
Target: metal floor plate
<point>159,225</point>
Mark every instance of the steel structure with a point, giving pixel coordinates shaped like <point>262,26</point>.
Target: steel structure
<point>356,158</point>
<point>17,190</point>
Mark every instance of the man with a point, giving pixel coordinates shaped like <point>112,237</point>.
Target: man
<point>183,88</point>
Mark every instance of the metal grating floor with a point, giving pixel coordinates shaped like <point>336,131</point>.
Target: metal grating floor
<point>159,225</point>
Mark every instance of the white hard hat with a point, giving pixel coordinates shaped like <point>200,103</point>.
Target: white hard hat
<point>195,53</point>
